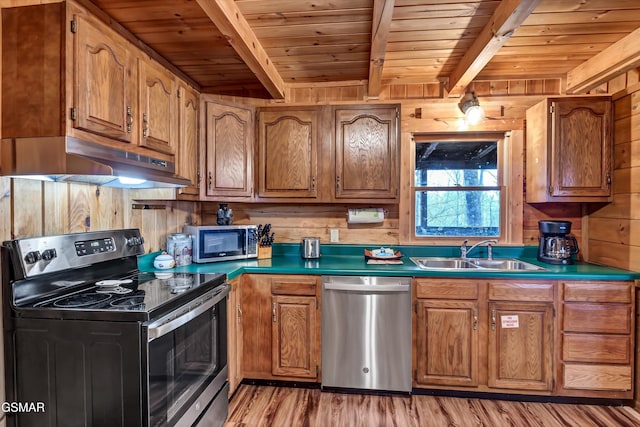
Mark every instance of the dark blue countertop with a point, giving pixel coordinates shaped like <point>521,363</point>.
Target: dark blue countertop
<point>349,260</point>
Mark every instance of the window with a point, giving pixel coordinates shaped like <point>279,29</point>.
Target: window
<point>457,186</point>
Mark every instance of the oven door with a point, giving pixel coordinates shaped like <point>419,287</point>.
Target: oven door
<point>187,360</point>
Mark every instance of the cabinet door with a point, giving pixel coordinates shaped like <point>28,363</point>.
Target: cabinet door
<point>447,340</point>
<point>521,346</point>
<point>255,303</point>
<point>288,147</point>
<point>234,348</point>
<point>366,153</point>
<point>188,149</point>
<point>158,107</point>
<point>581,158</point>
<point>294,336</point>
<point>103,83</point>
<point>228,150</point>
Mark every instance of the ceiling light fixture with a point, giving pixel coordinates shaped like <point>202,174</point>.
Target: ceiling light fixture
<point>470,107</point>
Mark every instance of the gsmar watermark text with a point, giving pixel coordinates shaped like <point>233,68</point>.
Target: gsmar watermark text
<point>22,407</point>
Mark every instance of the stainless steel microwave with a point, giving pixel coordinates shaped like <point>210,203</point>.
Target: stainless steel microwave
<point>223,242</point>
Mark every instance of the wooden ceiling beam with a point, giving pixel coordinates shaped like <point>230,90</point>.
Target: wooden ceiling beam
<point>380,26</point>
<point>508,16</point>
<point>618,58</point>
<point>235,28</point>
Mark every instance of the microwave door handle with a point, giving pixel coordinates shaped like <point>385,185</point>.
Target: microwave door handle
<point>160,328</point>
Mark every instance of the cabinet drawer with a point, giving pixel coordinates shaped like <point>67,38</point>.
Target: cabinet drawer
<point>599,318</point>
<point>446,289</point>
<point>597,377</point>
<point>596,348</point>
<point>525,291</point>
<point>597,291</point>
<point>294,285</point>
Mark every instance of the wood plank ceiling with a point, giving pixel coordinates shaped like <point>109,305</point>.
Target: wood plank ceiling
<point>257,47</point>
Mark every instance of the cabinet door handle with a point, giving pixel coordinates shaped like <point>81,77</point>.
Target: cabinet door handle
<point>129,119</point>
<point>313,182</point>
<point>475,319</point>
<point>338,182</point>
<point>145,127</point>
<point>273,312</point>
<point>493,320</point>
<point>210,180</point>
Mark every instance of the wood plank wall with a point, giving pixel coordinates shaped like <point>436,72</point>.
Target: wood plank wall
<point>614,229</point>
<point>34,208</point>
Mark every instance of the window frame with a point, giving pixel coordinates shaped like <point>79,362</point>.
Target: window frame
<point>505,155</point>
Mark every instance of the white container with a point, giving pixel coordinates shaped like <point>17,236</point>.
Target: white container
<point>163,262</point>
<point>179,246</point>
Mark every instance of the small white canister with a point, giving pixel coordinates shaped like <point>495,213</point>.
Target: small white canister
<point>179,247</point>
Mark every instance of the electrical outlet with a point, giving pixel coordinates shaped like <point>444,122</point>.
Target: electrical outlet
<point>335,235</point>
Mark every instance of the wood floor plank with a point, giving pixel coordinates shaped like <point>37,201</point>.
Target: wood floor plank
<point>262,406</point>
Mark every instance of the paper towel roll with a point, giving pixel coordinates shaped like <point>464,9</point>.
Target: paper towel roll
<point>365,216</point>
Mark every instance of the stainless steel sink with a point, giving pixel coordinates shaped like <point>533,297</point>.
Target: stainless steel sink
<point>442,263</point>
<point>503,264</point>
<point>480,264</point>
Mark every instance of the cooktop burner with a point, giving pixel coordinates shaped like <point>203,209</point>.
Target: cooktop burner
<point>81,300</point>
<point>129,303</point>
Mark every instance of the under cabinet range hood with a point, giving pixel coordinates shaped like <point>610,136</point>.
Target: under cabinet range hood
<point>67,159</point>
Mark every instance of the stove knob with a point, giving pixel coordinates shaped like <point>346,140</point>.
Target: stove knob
<point>135,241</point>
<point>32,257</point>
<point>49,254</point>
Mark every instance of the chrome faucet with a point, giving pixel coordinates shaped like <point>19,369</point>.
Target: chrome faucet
<point>464,251</point>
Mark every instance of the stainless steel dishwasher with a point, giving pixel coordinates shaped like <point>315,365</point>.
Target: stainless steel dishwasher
<point>366,333</point>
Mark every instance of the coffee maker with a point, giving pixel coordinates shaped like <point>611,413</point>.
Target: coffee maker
<point>556,245</point>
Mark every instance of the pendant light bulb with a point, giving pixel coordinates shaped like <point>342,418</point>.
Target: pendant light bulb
<point>470,107</point>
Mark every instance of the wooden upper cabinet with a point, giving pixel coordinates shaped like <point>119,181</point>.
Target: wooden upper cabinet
<point>158,107</point>
<point>288,152</point>
<point>188,154</point>
<point>569,150</point>
<point>104,96</point>
<point>366,156</point>
<point>228,150</point>
<point>83,79</point>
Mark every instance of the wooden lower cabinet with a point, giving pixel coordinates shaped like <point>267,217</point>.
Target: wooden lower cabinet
<point>281,327</point>
<point>447,342</point>
<point>446,334</point>
<point>521,346</point>
<point>293,349</point>
<point>483,335</point>
<point>597,339</point>
<point>540,337</point>
<point>234,338</point>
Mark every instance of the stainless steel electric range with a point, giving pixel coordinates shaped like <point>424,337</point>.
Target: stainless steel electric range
<point>92,341</point>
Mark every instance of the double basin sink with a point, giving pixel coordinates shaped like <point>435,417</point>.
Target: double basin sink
<point>462,264</point>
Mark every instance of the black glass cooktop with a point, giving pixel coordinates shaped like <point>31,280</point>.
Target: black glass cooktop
<point>138,292</point>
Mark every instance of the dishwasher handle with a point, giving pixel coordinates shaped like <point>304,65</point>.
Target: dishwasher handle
<point>367,288</point>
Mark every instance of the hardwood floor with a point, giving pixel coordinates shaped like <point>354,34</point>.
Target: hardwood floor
<point>282,406</point>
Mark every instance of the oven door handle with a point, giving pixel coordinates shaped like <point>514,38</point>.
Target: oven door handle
<point>163,326</point>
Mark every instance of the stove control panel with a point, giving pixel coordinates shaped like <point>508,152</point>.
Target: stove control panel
<point>90,247</point>
<point>34,256</point>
